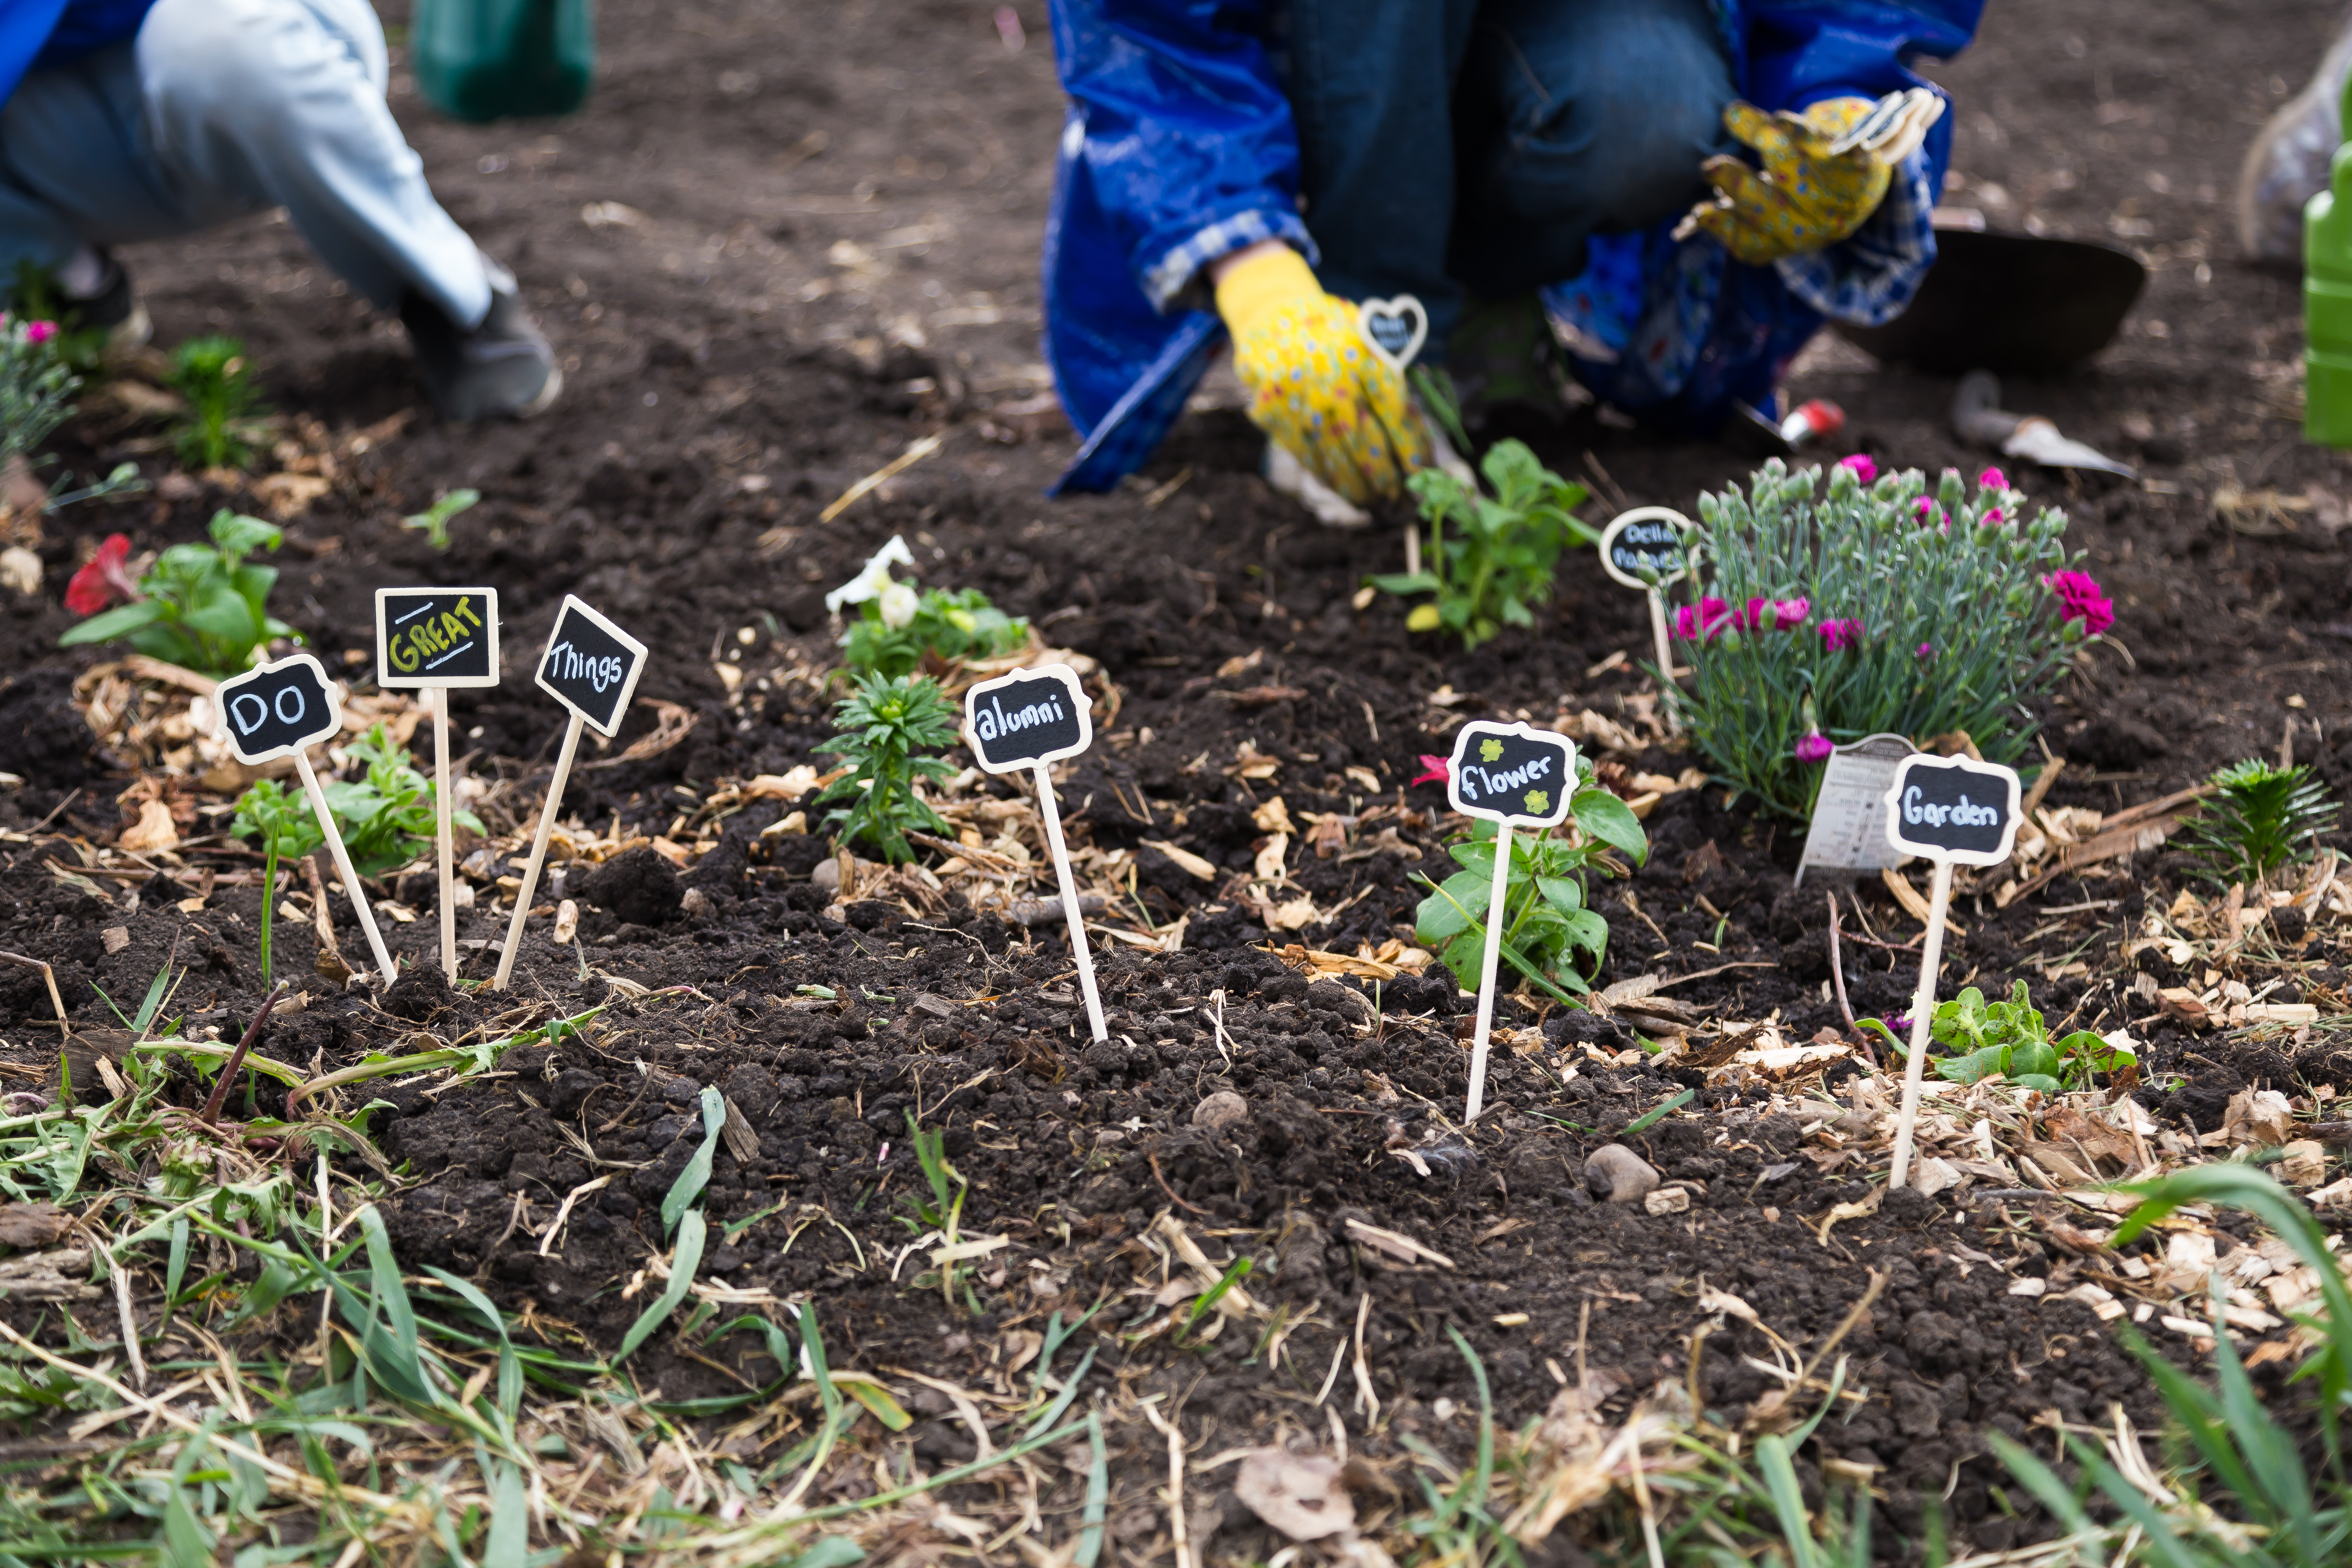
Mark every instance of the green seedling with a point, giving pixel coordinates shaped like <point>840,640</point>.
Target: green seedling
<point>2008,1037</point>
<point>1206,1302</point>
<point>215,378</point>
<point>1489,561</point>
<point>434,521</point>
<point>205,607</point>
<point>1457,1526</point>
<point>940,626</point>
<point>886,728</point>
<point>386,818</point>
<point>1550,932</point>
<point>944,1213</point>
<point>2260,818</point>
<point>287,829</point>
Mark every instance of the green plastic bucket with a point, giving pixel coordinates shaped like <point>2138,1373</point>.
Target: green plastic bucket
<point>490,59</point>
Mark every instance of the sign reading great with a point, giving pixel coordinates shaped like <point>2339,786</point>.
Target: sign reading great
<point>278,710</point>
<point>1511,772</point>
<point>1952,809</point>
<point>591,665</point>
<point>1029,717</point>
<point>437,637</point>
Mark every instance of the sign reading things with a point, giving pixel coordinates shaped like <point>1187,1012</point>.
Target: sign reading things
<point>437,637</point>
<point>1029,717</point>
<point>1647,547</point>
<point>278,710</point>
<point>591,665</point>
<point>1511,772</point>
<point>1949,809</point>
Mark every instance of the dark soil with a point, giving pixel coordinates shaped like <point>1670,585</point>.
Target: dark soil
<point>778,314</point>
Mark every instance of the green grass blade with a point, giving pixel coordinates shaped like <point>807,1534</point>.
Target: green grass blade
<point>690,1181</point>
<point>2043,1482</point>
<point>510,1537</point>
<point>510,1362</point>
<point>683,1262</point>
<point>154,1000</point>
<point>1069,1391</point>
<point>1658,1113</point>
<point>2162,1544</point>
<point>1788,1500</point>
<point>1090,1522</point>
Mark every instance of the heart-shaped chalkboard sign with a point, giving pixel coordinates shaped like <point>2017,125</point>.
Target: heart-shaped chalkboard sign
<point>1396,328</point>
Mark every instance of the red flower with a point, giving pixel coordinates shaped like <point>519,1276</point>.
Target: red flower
<point>1434,770</point>
<point>103,578</point>
<point>2080,598</point>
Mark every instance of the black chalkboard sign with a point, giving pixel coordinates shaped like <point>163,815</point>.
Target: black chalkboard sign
<point>591,665</point>
<point>437,637</point>
<point>1949,809</point>
<point>1029,717</point>
<point>278,710</point>
<point>1509,773</point>
<point>1647,547</point>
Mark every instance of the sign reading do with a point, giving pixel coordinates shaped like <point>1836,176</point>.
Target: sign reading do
<point>278,710</point>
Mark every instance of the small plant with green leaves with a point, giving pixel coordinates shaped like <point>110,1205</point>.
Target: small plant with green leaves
<point>890,728</point>
<point>287,828</point>
<point>1822,613</point>
<point>386,817</point>
<point>1488,560</point>
<point>205,607</point>
<point>943,1216</point>
<point>2008,1039</point>
<point>214,376</point>
<point>2258,819</point>
<point>1551,934</point>
<point>896,626</point>
<point>434,521</point>
<point>36,395</point>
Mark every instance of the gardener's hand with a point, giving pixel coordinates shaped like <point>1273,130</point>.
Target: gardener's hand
<point>1315,385</point>
<point>1825,172</point>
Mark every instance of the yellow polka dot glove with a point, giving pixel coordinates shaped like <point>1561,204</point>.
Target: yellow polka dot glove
<point>1315,385</point>
<point>1825,172</point>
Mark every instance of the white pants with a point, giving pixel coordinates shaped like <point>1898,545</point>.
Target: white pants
<point>220,108</point>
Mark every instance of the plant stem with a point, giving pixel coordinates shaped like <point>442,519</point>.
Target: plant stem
<point>236,1059</point>
<point>269,898</point>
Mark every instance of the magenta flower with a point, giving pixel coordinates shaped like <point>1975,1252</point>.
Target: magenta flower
<point>1993,478</point>
<point>1705,620</point>
<point>1434,770</point>
<point>1841,635</point>
<point>1924,511</point>
<point>1791,614</point>
<point>39,331</point>
<point>1864,468</point>
<point>1813,747</point>
<point>1927,650</point>
<point>1992,519</point>
<point>2081,600</point>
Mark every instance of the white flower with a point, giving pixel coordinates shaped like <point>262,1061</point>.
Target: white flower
<point>898,601</point>
<point>872,577</point>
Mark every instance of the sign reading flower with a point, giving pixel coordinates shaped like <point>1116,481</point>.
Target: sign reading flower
<point>1511,772</point>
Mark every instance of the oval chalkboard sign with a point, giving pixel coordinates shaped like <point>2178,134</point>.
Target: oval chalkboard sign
<point>437,637</point>
<point>278,710</point>
<point>1949,809</point>
<point>1511,772</point>
<point>1029,717</point>
<point>1648,547</point>
<point>591,665</point>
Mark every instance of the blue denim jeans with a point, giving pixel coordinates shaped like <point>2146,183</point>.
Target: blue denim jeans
<point>1453,147</point>
<point>220,108</point>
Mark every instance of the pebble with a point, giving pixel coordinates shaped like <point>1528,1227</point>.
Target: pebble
<point>1223,1109</point>
<point>1616,1173</point>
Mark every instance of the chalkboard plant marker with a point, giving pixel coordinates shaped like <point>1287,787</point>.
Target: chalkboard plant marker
<point>592,667</point>
<point>1513,777</point>
<point>1952,812</point>
<point>1033,718</point>
<point>282,709</point>
<point>1648,548</point>
<point>431,639</point>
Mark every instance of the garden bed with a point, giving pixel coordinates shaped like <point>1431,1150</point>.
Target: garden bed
<point>804,275</point>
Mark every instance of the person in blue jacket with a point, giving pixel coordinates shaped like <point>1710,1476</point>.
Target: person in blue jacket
<point>124,121</point>
<point>1691,188</point>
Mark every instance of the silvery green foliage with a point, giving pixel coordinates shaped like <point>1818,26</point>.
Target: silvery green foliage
<point>1939,609</point>
<point>36,388</point>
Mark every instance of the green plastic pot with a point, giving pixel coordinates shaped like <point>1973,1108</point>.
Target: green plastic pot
<point>492,59</point>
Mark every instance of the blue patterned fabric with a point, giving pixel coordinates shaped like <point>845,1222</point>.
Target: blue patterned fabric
<point>1180,139</point>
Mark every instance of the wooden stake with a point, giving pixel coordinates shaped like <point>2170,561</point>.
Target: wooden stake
<point>343,868</point>
<point>1052,813</point>
<point>1496,899</point>
<point>442,810</point>
<point>538,850</point>
<point>1666,661</point>
<point>1412,550</point>
<point>1923,1017</point>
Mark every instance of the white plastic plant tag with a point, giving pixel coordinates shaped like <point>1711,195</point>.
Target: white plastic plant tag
<point>1849,825</point>
<point>1395,327</point>
<point>1033,718</point>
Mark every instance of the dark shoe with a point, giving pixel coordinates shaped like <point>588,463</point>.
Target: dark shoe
<point>503,367</point>
<point>114,309</point>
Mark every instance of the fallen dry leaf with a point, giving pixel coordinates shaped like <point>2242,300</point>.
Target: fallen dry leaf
<point>32,1225</point>
<point>1298,1494</point>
